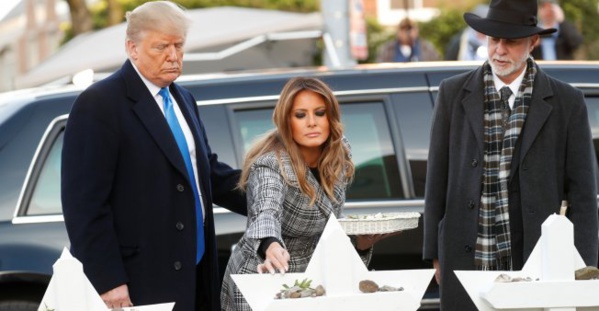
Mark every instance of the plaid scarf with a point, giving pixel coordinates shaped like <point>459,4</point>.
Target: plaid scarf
<point>493,244</point>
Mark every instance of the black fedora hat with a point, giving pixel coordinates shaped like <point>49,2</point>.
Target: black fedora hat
<point>508,19</point>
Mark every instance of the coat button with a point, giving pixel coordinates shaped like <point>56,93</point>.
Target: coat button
<point>471,204</point>
<point>179,226</point>
<point>474,162</point>
<point>468,248</point>
<point>180,188</point>
<point>177,265</point>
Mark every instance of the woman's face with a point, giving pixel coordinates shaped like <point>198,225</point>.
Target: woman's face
<point>309,123</point>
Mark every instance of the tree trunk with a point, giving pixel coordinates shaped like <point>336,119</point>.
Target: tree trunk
<point>81,18</point>
<point>115,12</point>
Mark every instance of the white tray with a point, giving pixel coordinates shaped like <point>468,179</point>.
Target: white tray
<point>379,223</point>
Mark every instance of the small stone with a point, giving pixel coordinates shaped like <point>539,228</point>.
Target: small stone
<point>319,291</point>
<point>288,292</point>
<point>522,279</point>
<point>387,288</point>
<point>503,278</point>
<point>297,294</point>
<point>368,286</point>
<point>587,273</point>
<point>307,293</point>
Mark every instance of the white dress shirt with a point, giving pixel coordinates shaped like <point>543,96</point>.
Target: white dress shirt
<point>191,145</point>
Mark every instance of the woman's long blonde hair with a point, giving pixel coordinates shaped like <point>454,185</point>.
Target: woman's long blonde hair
<point>334,162</point>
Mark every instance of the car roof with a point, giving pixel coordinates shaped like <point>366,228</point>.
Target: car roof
<point>355,76</point>
<point>384,76</point>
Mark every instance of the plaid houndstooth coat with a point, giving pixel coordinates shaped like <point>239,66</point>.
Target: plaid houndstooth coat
<point>278,209</point>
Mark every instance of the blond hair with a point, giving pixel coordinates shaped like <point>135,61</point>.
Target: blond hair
<point>334,161</point>
<point>162,16</point>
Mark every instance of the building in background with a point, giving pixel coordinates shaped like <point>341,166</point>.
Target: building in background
<point>30,33</point>
<point>390,12</point>
<point>220,39</point>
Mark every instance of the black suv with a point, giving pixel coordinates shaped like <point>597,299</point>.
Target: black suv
<point>386,110</point>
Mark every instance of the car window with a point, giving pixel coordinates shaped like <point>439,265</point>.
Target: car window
<point>593,111</point>
<point>253,124</point>
<point>377,173</point>
<point>45,198</point>
<point>413,112</point>
<point>215,120</point>
<point>366,127</point>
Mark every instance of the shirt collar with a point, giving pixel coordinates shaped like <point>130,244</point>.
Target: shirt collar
<point>153,88</point>
<point>514,86</point>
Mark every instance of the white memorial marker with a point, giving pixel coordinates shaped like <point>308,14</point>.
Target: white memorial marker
<point>70,290</point>
<point>337,267</point>
<point>551,267</point>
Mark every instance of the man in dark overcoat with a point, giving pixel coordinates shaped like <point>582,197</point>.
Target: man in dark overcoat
<point>508,144</point>
<point>139,177</point>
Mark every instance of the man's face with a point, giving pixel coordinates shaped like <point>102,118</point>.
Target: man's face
<point>406,34</point>
<point>158,56</point>
<point>547,13</point>
<point>508,56</point>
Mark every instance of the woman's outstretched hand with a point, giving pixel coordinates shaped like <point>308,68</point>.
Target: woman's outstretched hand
<point>277,259</point>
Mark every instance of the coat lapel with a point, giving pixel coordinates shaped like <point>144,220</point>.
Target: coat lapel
<point>473,104</point>
<point>538,113</point>
<point>145,107</point>
<point>191,119</point>
<point>195,128</point>
<point>323,202</point>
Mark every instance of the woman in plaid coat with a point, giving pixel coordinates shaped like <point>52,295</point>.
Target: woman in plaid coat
<point>295,178</point>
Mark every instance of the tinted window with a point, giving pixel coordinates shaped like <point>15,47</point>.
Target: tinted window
<point>45,198</point>
<point>414,114</point>
<point>214,118</point>
<point>252,124</point>
<point>377,173</point>
<point>593,111</point>
<point>366,127</point>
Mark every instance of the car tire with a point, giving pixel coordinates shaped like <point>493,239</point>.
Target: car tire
<point>18,305</point>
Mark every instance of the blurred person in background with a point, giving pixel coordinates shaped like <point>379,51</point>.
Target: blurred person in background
<point>562,44</point>
<point>469,44</point>
<point>407,46</point>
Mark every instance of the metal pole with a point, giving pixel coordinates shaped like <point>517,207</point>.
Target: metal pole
<point>336,20</point>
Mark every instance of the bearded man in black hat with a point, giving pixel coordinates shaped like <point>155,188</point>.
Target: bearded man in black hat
<point>508,144</point>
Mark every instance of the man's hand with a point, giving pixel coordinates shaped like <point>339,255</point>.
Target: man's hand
<point>117,297</point>
<point>437,271</point>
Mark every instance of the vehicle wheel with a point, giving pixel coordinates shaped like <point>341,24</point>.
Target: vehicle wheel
<point>18,305</point>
